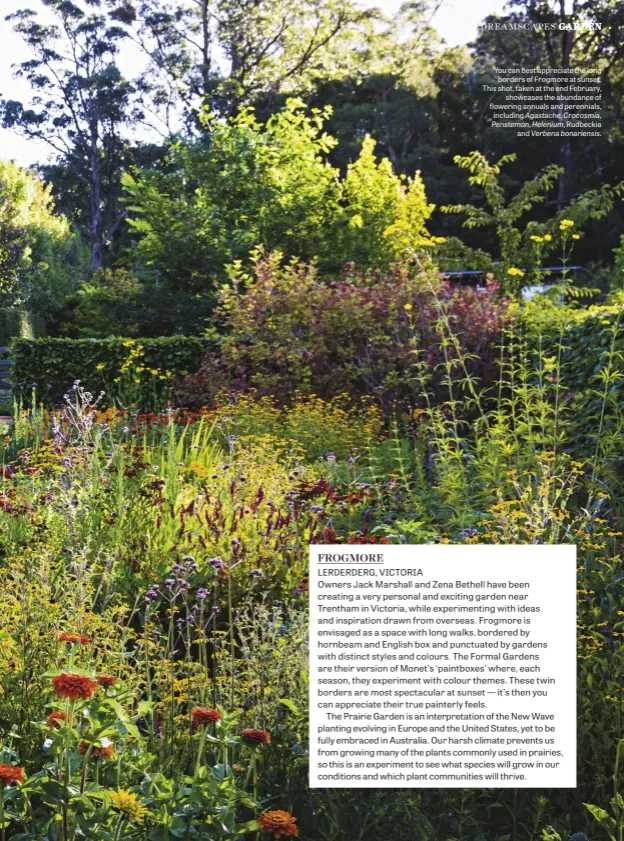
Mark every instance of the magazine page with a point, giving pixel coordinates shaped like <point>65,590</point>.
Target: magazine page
<point>311,412</point>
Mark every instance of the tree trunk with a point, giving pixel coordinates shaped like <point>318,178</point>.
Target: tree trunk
<point>95,200</point>
<point>565,149</point>
<point>205,48</point>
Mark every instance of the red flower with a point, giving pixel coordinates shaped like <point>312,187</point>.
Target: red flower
<point>278,822</point>
<point>10,774</point>
<point>74,686</point>
<point>73,638</point>
<point>107,680</point>
<point>256,737</point>
<point>56,719</point>
<point>106,749</point>
<point>205,715</point>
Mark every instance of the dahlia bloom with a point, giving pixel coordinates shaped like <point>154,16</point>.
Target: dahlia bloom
<point>205,715</point>
<point>73,638</point>
<point>10,774</point>
<point>73,686</point>
<point>278,822</point>
<point>106,748</point>
<point>56,719</point>
<point>256,737</point>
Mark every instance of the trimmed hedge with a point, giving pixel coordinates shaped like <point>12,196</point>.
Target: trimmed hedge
<point>139,372</point>
<point>16,323</point>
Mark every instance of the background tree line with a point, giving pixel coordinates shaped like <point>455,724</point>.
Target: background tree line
<point>172,172</point>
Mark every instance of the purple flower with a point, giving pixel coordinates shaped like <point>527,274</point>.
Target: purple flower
<point>256,573</point>
<point>202,594</point>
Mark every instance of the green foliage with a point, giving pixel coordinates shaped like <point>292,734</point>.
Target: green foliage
<point>387,213</point>
<point>588,346</point>
<point>618,274</point>
<point>272,47</point>
<point>79,102</point>
<point>269,185</point>
<point>41,257</point>
<point>110,305</point>
<point>178,543</point>
<point>21,324</point>
<point>248,185</point>
<point>143,373</point>
<point>522,248</point>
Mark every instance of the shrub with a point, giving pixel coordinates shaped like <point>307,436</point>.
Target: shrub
<point>362,334</point>
<point>41,258</point>
<point>272,185</point>
<point>107,306</point>
<point>140,372</point>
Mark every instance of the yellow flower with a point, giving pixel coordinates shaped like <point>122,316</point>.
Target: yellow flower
<point>565,224</point>
<point>537,239</point>
<point>547,237</point>
<point>576,236</point>
<point>128,805</point>
<point>515,272</point>
<point>100,367</point>
<point>407,307</point>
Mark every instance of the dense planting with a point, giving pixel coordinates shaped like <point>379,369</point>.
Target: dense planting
<point>154,594</point>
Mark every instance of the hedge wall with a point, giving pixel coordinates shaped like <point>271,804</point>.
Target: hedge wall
<point>16,323</point>
<point>142,372</point>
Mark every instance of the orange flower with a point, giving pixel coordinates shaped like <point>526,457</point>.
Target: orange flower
<point>56,719</point>
<point>73,638</point>
<point>278,822</point>
<point>106,749</point>
<point>10,774</point>
<point>74,686</point>
<point>205,715</point>
<point>107,680</point>
<point>256,737</point>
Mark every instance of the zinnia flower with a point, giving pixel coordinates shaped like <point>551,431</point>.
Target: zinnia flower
<point>107,680</point>
<point>106,748</point>
<point>56,719</point>
<point>256,737</point>
<point>278,822</point>
<point>73,638</point>
<point>128,805</point>
<point>74,686</point>
<point>10,774</point>
<point>204,715</point>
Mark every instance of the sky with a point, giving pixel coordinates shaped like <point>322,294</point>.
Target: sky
<point>456,21</point>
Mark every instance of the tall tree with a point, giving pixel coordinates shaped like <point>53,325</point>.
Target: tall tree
<point>563,34</point>
<point>81,101</point>
<point>230,53</point>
